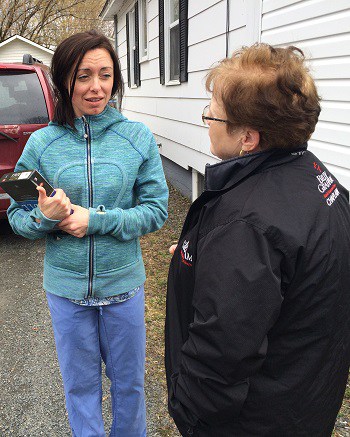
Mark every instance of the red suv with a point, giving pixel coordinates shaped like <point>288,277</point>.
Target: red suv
<point>26,104</point>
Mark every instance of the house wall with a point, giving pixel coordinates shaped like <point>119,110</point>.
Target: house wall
<point>14,51</point>
<point>321,28</point>
<point>178,177</point>
<point>173,113</point>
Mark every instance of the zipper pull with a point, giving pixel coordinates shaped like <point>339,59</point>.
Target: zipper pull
<point>85,121</point>
<point>86,127</point>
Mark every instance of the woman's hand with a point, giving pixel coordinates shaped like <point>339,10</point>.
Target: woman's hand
<point>172,249</point>
<point>76,224</point>
<point>56,207</point>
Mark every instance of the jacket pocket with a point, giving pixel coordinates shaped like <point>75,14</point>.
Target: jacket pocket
<point>67,252</point>
<point>112,254</point>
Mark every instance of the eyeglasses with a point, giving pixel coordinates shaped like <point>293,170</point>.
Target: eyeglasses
<point>205,117</point>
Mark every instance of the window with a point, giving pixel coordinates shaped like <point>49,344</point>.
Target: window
<point>173,31</point>
<point>132,38</point>
<point>172,37</point>
<point>21,99</point>
<point>143,26</point>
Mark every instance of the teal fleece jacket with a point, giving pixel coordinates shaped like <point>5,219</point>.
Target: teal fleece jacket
<point>111,166</point>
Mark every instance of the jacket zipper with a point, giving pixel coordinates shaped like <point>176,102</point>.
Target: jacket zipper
<point>87,137</point>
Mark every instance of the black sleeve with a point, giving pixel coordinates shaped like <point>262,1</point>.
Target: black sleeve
<point>237,299</point>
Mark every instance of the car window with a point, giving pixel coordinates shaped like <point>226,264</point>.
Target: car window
<point>21,98</point>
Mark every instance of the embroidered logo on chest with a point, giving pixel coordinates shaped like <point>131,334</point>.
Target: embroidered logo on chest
<point>186,257</point>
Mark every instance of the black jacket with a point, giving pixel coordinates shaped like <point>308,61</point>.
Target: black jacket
<point>258,304</point>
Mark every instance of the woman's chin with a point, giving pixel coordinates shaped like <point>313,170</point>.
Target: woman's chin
<point>96,111</point>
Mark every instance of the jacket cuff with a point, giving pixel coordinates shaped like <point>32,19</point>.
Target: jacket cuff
<point>46,224</point>
<point>99,219</point>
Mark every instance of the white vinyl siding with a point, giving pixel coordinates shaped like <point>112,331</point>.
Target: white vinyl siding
<point>321,28</point>
<point>174,113</point>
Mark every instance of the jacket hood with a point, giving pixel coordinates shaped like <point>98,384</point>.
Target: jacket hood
<point>226,173</point>
<point>98,123</point>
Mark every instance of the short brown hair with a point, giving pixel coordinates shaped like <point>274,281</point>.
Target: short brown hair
<point>68,55</point>
<point>270,90</point>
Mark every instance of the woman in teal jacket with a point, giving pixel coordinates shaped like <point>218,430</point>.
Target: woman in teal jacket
<point>110,190</point>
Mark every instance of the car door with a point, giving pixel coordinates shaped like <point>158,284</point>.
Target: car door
<point>22,111</point>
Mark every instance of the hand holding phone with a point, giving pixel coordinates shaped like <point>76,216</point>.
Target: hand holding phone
<point>55,207</point>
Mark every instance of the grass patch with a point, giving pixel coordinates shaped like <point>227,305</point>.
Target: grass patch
<point>157,259</point>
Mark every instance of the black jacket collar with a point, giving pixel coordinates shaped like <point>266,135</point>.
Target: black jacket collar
<point>226,173</point>
<point>223,176</point>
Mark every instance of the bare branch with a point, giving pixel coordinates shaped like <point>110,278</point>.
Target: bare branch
<point>47,22</point>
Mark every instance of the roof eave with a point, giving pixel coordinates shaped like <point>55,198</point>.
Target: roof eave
<point>110,9</point>
<point>28,41</point>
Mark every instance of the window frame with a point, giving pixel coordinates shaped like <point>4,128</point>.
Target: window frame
<point>164,42</point>
<point>132,40</point>
<point>143,45</point>
<point>167,28</point>
<point>132,46</point>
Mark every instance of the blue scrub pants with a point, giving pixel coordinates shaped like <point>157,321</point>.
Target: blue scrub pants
<point>116,333</point>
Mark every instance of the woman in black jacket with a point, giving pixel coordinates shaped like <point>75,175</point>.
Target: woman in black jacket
<point>257,327</point>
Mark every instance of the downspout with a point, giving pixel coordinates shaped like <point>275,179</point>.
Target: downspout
<point>116,32</point>
<point>260,22</point>
<point>227,25</point>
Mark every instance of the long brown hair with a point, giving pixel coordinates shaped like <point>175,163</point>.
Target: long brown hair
<point>66,60</point>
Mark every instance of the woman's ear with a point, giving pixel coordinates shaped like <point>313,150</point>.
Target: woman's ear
<point>250,141</point>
